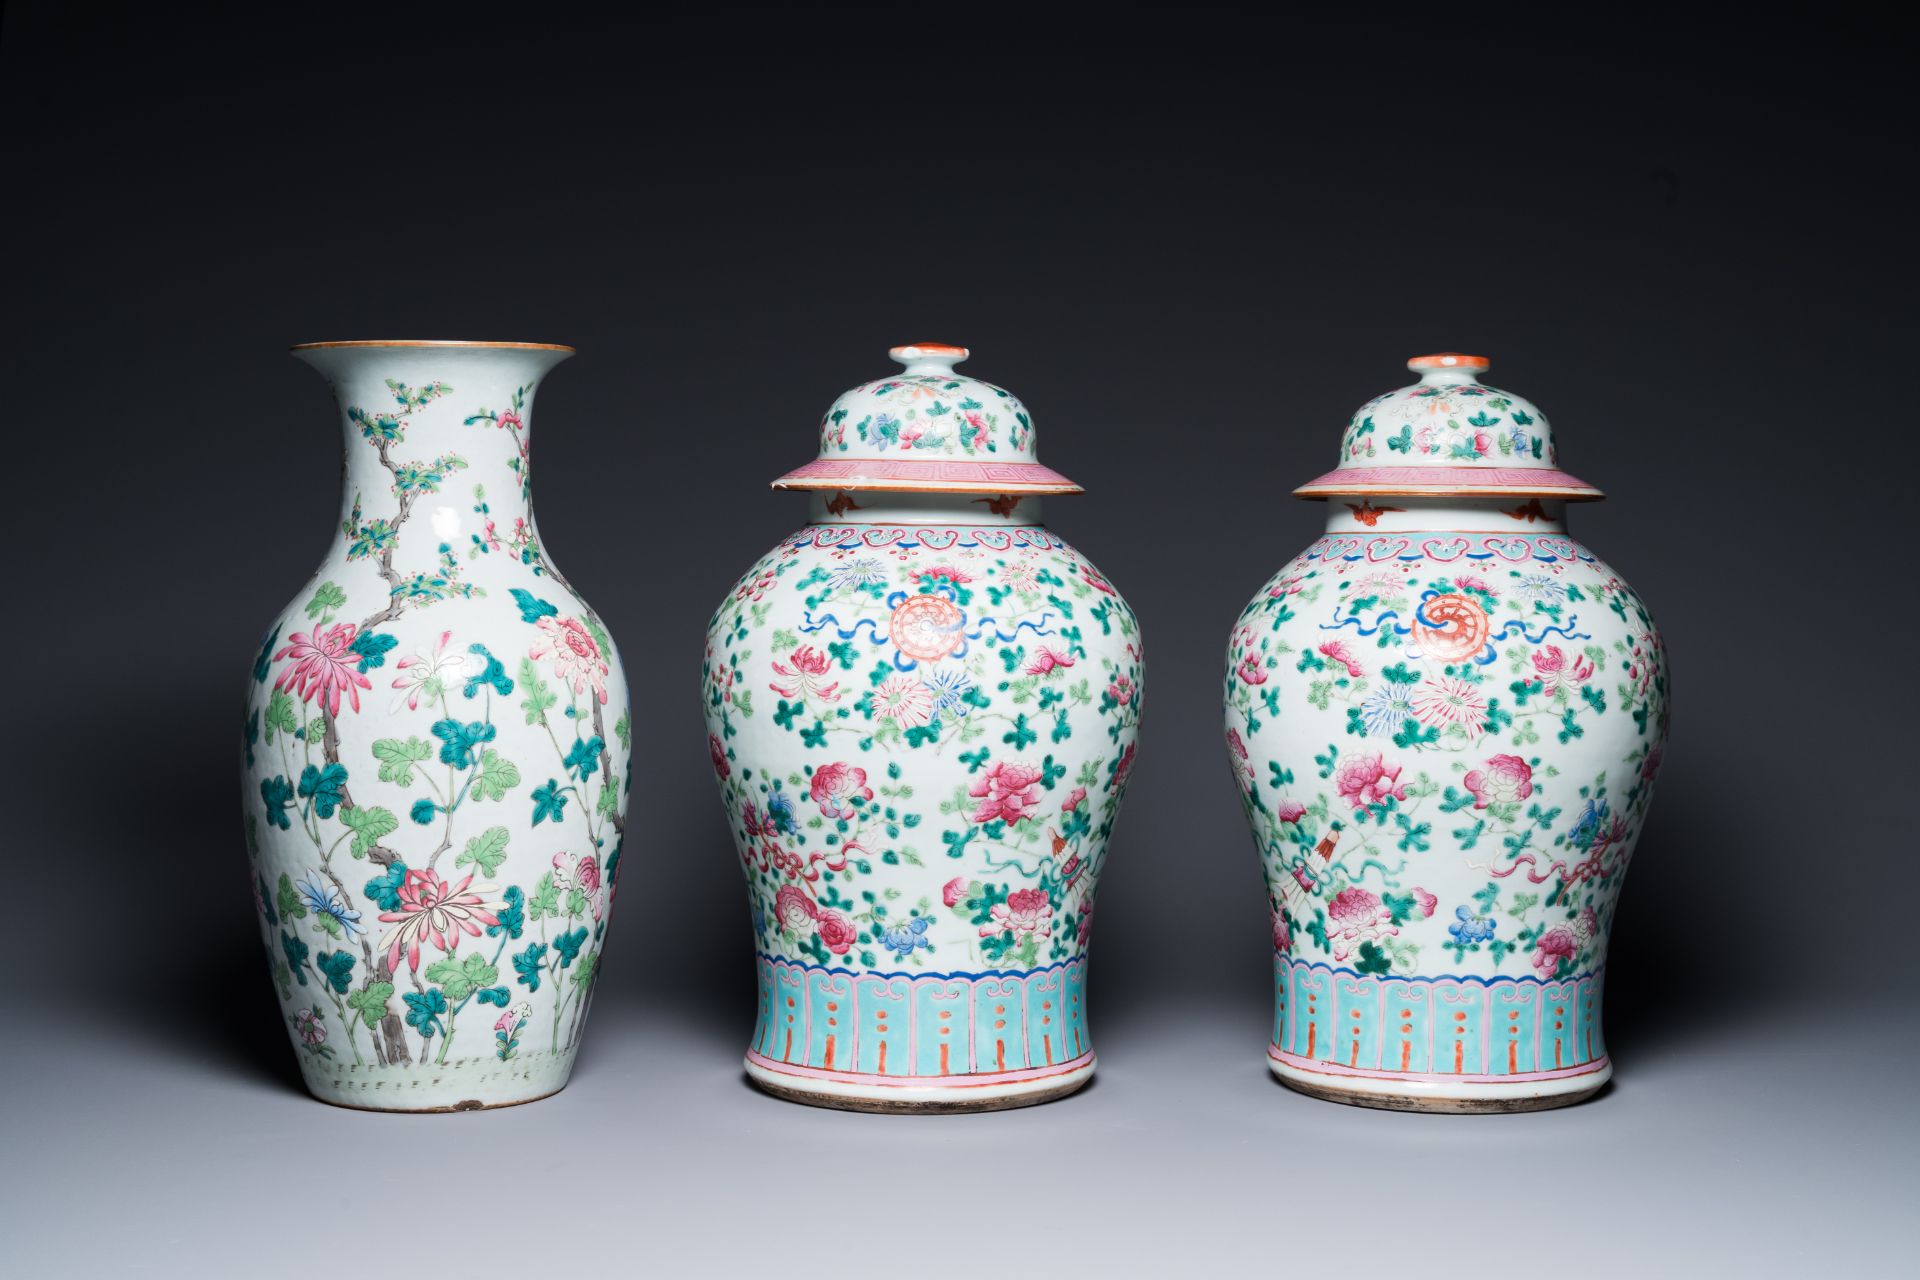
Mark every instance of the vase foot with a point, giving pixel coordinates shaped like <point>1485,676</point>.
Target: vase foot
<point>926,1098</point>
<point>1408,1093</point>
<point>467,1084</point>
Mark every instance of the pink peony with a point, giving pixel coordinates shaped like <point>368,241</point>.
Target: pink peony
<point>1355,908</point>
<point>1282,939</point>
<point>836,786</point>
<point>954,890</point>
<point>1006,792</point>
<point>1124,770</point>
<point>1121,690</point>
<point>577,660</point>
<point>836,931</point>
<point>1073,800</point>
<point>806,677</point>
<point>1251,669</point>
<point>1366,780</point>
<point>324,666</point>
<point>1556,672</point>
<point>719,753</point>
<point>1026,911</point>
<point>1236,744</point>
<point>1046,660</point>
<point>1505,780</point>
<point>793,908</point>
<point>1555,945</point>
<point>1337,651</point>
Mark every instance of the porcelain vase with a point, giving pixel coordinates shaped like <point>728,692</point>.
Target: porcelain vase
<point>435,753</point>
<point>1445,718</point>
<point>922,713</point>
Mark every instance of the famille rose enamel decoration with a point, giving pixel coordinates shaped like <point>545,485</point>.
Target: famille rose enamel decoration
<point>922,711</point>
<point>1445,719</point>
<point>435,753</point>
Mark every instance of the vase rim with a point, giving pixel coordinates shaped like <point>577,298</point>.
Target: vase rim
<point>433,342</point>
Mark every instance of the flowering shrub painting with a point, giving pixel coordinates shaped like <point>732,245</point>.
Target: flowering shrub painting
<point>435,755</point>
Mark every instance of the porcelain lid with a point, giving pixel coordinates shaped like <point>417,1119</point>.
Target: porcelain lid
<point>928,429</point>
<point>1449,434</point>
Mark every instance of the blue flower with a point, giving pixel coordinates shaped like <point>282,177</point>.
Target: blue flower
<point>323,899</point>
<point>950,687</point>
<point>907,938</point>
<point>1585,831</point>
<point>1469,928</point>
<point>780,813</point>
<point>1387,708</point>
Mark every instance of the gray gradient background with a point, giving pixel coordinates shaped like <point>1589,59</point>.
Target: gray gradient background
<point>1192,257</point>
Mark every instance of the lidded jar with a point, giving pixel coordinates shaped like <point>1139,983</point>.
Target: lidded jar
<point>922,711</point>
<point>1445,718</point>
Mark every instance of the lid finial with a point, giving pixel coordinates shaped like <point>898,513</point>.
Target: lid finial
<point>929,357</point>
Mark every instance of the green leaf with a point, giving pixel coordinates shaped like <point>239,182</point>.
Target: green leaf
<point>280,715</point>
<point>495,777</point>
<point>486,851</point>
<point>372,1002</point>
<point>368,825</point>
<point>397,758</point>
<point>459,978</point>
<point>289,901</point>
<point>540,696</point>
<point>623,730</point>
<point>545,900</point>
<point>325,600</point>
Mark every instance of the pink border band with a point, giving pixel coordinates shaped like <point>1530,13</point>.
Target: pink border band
<point>970,1081</point>
<point>1546,482</point>
<point>1318,1066</point>
<point>926,473</point>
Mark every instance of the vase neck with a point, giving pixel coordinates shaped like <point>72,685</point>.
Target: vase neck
<point>957,509</point>
<point>1407,514</point>
<point>436,440</point>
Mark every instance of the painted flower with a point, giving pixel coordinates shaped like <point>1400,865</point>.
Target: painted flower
<point>836,931</point>
<point>1252,670</point>
<point>856,573</point>
<point>324,666</point>
<point>1021,576</point>
<point>906,938</point>
<point>420,671</point>
<point>311,1029</point>
<point>1540,588</point>
<point>1470,582</point>
<point>1585,926</point>
<point>903,700</point>
<point>1357,916</point>
<point>1387,708</point>
<point>806,677</point>
<point>953,891</point>
<point>577,660</point>
<point>1121,690</point>
<point>950,687</point>
<point>1426,901</point>
<point>794,909</point>
<point>1553,946</point>
<point>1047,659</point>
<point>1504,780</point>
<point>1282,938</point>
<point>1026,911</point>
<point>1468,928</point>
<point>431,909</point>
<point>1074,799</point>
<point>1289,811</point>
<point>511,421</point>
<point>1006,792</point>
<point>325,899</point>
<point>1124,769</point>
<point>1445,701</point>
<point>1558,674</point>
<point>1085,930</point>
<point>1336,651</point>
<point>780,817</point>
<point>719,755</point>
<point>510,1021</point>
<point>1366,780</point>
<point>1095,581</point>
<point>836,786</point>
